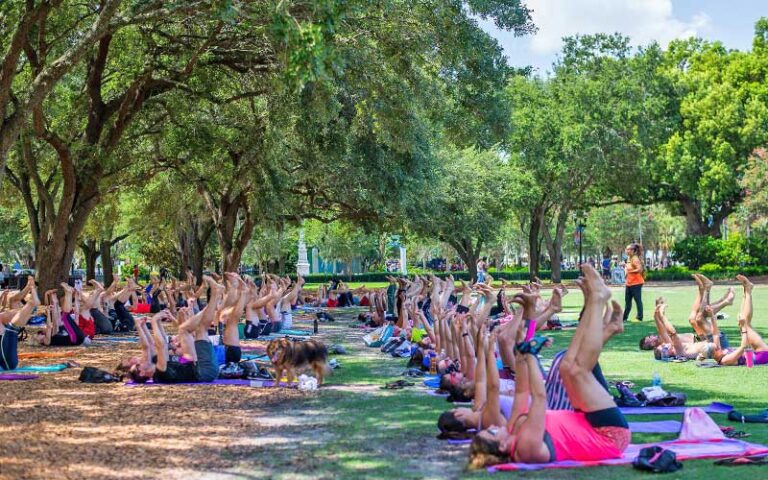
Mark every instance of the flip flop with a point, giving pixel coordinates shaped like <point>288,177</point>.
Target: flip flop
<point>534,345</point>
<point>738,461</point>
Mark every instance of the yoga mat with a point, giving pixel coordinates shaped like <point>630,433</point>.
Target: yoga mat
<point>299,333</point>
<point>253,348</point>
<point>10,376</point>
<point>117,339</point>
<point>42,368</point>
<point>29,355</point>
<point>714,407</point>
<point>219,381</point>
<point>433,393</point>
<point>657,426</point>
<point>683,450</point>
<point>432,381</point>
<point>250,356</point>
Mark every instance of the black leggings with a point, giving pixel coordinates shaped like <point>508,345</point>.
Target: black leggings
<point>635,292</point>
<point>9,343</point>
<point>124,316</point>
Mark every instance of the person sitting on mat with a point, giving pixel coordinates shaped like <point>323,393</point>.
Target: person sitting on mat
<point>10,329</point>
<point>596,431</point>
<point>749,337</point>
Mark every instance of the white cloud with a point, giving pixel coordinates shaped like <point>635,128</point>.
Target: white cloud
<point>641,20</point>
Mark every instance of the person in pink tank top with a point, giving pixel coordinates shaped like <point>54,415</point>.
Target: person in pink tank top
<point>596,430</point>
<point>749,337</point>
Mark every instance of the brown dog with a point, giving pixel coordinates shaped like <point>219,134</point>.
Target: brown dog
<point>289,355</point>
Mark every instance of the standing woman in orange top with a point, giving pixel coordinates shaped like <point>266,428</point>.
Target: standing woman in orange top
<point>635,278</point>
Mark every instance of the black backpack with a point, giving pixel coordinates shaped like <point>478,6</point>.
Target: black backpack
<point>657,460</point>
<point>94,375</point>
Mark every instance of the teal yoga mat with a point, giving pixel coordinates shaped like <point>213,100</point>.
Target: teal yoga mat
<point>42,368</point>
<point>299,333</point>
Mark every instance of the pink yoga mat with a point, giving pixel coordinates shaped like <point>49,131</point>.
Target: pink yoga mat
<point>684,451</point>
<point>219,381</point>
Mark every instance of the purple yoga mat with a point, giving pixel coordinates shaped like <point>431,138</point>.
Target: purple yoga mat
<point>433,393</point>
<point>11,376</point>
<point>683,450</point>
<point>714,407</point>
<point>657,426</point>
<point>218,381</point>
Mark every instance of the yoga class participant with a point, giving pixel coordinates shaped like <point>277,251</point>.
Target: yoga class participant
<point>61,330</point>
<point>9,330</point>
<point>750,339</point>
<point>596,430</point>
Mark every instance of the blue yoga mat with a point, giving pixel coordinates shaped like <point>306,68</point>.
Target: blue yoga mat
<point>41,368</point>
<point>432,381</point>
<point>117,339</point>
<point>250,356</point>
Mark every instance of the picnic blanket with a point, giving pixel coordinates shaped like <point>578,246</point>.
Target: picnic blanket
<point>41,368</point>
<point>684,451</point>
<point>714,407</point>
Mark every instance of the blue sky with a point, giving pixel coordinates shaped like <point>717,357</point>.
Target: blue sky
<point>730,21</point>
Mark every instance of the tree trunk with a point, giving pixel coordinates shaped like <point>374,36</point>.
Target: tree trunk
<point>534,239</point>
<point>106,261</point>
<point>695,224</point>
<point>91,254</point>
<point>468,253</point>
<point>555,245</point>
<point>192,240</point>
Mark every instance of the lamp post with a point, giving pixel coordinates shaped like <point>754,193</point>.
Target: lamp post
<point>579,223</point>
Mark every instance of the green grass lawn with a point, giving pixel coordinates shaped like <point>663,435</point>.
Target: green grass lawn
<point>366,432</point>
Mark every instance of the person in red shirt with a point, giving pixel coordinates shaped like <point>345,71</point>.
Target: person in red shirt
<point>136,273</point>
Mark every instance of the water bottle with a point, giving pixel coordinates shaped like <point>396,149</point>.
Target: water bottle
<point>656,380</point>
<point>665,352</point>
<point>432,363</point>
<point>315,325</point>
<point>750,357</point>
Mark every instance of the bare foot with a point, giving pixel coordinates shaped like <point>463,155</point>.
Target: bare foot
<point>556,302</point>
<point>697,279</point>
<point>705,282</point>
<point>593,286</point>
<point>729,296</point>
<point>616,323</point>
<point>33,300</point>
<point>748,286</point>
